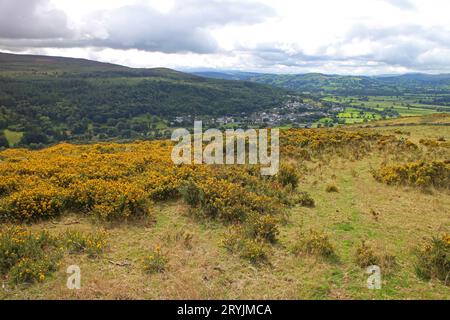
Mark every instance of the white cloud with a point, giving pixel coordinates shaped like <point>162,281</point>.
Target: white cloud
<point>346,36</point>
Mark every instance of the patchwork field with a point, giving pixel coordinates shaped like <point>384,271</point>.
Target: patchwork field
<point>141,228</point>
<point>361,109</point>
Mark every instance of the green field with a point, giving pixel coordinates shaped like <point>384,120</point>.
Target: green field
<point>13,137</point>
<point>360,109</point>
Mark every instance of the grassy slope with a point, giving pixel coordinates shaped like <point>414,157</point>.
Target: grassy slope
<point>207,271</point>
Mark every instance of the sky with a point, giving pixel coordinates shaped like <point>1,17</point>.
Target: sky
<point>369,37</point>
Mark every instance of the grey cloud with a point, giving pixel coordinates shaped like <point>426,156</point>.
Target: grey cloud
<point>437,35</point>
<point>186,28</point>
<point>410,46</point>
<point>31,19</point>
<point>405,45</point>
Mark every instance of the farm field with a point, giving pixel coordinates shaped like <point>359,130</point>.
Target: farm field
<point>363,109</point>
<point>141,228</point>
<point>407,105</point>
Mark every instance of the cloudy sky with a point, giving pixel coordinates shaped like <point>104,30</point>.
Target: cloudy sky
<point>282,36</point>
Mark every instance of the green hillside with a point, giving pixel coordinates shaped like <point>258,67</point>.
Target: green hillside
<point>346,85</point>
<point>51,99</point>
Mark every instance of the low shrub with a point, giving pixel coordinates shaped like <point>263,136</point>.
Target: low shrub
<point>388,263</point>
<point>304,199</point>
<point>32,270</point>
<point>365,256</point>
<point>429,143</point>
<point>27,257</point>
<point>163,187</point>
<point>110,200</point>
<point>287,176</point>
<point>262,227</point>
<point>37,202</point>
<point>314,243</point>
<point>191,193</point>
<point>8,184</point>
<point>232,238</point>
<point>254,251</point>
<point>235,240</point>
<point>433,259</point>
<point>226,201</point>
<point>93,244</point>
<point>420,174</point>
<point>155,262</point>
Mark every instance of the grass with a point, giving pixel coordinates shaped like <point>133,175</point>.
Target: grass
<point>202,269</point>
<point>13,137</point>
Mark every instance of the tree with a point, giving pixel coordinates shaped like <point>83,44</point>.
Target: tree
<point>3,142</point>
<point>34,136</point>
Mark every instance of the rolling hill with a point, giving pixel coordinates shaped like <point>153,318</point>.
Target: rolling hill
<point>51,99</point>
<point>345,85</point>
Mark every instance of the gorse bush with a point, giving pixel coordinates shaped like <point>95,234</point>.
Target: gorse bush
<point>93,244</point>
<point>26,257</point>
<point>314,243</point>
<point>433,259</point>
<point>34,203</point>
<point>191,193</point>
<point>232,238</point>
<point>304,144</point>
<point>226,201</point>
<point>254,250</point>
<point>365,255</point>
<point>110,199</point>
<point>287,176</point>
<point>155,262</point>
<point>111,181</point>
<point>8,184</point>
<point>120,182</point>
<point>438,143</point>
<point>262,227</point>
<point>420,174</point>
<point>32,270</point>
<point>304,199</point>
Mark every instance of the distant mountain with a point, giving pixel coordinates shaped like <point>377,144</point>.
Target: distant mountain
<point>34,63</point>
<point>55,99</point>
<point>227,75</point>
<point>13,64</point>
<point>345,85</point>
